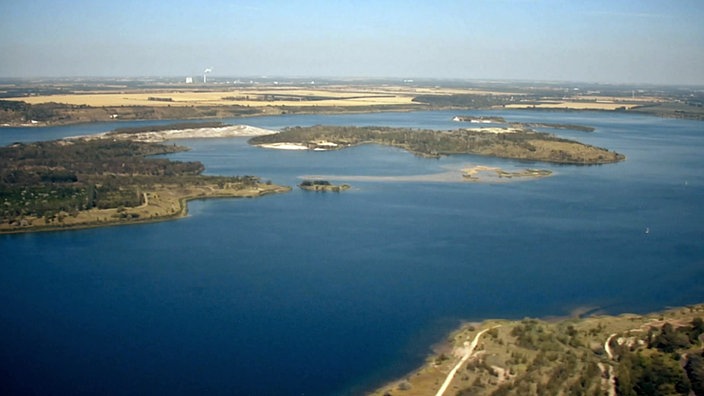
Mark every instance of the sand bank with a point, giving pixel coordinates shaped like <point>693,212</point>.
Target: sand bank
<point>284,146</point>
<point>469,173</point>
<point>176,134</point>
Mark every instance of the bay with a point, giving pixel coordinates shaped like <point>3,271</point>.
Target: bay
<point>319,294</point>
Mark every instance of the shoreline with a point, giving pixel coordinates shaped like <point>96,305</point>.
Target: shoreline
<point>176,207</point>
<point>342,110</point>
<point>499,358</point>
<point>225,131</point>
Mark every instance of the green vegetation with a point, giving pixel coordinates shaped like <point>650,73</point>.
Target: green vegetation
<point>667,362</point>
<point>464,101</point>
<point>57,179</point>
<point>580,128</point>
<point>656,354</point>
<point>519,144</point>
<point>22,113</point>
<point>322,185</point>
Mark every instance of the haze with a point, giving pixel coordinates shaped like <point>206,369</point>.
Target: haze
<point>654,42</point>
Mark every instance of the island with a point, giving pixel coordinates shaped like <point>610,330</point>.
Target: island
<point>475,173</point>
<point>504,142</point>
<point>586,354</point>
<point>322,185</point>
<point>480,119</point>
<point>501,120</point>
<point>100,181</point>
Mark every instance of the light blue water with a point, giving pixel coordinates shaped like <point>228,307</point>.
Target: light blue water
<point>317,294</point>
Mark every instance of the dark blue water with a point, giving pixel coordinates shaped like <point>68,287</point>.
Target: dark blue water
<point>319,294</point>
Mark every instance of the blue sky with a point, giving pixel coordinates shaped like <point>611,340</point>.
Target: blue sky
<point>657,42</point>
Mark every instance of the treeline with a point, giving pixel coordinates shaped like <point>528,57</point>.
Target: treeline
<point>574,127</point>
<point>471,101</point>
<point>15,110</point>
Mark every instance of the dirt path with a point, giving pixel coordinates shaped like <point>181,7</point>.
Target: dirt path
<point>611,375</point>
<point>467,354</point>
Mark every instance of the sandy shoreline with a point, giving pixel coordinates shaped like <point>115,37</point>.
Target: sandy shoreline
<point>178,134</point>
<point>283,146</point>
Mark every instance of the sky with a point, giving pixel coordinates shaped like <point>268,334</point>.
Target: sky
<point>609,41</point>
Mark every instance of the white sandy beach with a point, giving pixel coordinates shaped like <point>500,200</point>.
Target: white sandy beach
<point>284,146</point>
<point>192,133</point>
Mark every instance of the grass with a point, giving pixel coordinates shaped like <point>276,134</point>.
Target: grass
<point>533,356</point>
<point>163,202</point>
<point>248,97</point>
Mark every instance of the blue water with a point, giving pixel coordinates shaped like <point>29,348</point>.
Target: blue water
<point>319,294</point>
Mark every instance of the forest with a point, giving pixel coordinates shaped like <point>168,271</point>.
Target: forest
<point>63,177</point>
<point>521,143</point>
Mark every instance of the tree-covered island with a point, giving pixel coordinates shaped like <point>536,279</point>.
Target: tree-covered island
<point>322,186</point>
<point>515,143</point>
<point>89,182</point>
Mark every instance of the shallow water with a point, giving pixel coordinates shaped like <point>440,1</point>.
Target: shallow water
<point>309,293</point>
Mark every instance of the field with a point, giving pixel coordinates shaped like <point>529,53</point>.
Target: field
<point>52,103</point>
<point>573,105</point>
<point>242,97</point>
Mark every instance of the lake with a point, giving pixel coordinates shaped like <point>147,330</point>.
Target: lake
<point>333,294</point>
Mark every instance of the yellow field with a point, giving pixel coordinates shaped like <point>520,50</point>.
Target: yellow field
<point>339,95</point>
<point>335,96</point>
<point>575,105</point>
<point>253,98</point>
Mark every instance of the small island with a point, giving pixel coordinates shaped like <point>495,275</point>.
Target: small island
<point>322,185</point>
<point>478,173</point>
<point>501,120</point>
<point>505,142</point>
<point>91,182</point>
<point>480,119</point>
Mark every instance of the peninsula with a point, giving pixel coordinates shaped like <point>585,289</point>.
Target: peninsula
<point>90,182</point>
<point>188,130</point>
<point>655,354</point>
<point>506,142</point>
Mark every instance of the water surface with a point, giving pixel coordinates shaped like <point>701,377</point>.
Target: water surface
<point>309,293</point>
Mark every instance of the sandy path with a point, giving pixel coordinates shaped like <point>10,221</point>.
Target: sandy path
<point>467,354</point>
<point>612,375</point>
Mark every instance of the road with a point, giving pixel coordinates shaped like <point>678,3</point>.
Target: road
<point>467,354</point>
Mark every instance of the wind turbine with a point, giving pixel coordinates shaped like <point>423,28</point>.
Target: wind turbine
<point>205,74</point>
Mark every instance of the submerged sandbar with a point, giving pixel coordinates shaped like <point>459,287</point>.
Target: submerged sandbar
<point>464,174</point>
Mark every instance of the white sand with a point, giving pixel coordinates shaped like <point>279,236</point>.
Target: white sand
<point>200,133</point>
<point>284,146</point>
<point>193,133</point>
